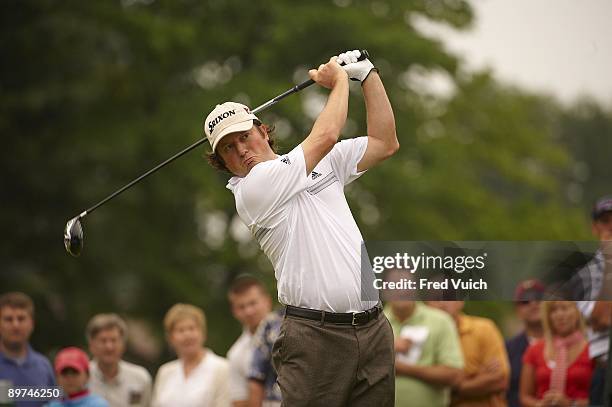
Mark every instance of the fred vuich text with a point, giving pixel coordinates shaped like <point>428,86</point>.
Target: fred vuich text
<point>426,284</point>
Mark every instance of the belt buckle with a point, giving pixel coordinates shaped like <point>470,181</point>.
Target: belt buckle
<point>354,322</point>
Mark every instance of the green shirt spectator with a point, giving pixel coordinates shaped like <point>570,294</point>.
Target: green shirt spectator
<point>428,354</point>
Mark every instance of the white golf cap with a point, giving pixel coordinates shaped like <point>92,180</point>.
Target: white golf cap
<point>226,118</point>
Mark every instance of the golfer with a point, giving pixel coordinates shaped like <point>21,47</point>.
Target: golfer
<point>334,349</point>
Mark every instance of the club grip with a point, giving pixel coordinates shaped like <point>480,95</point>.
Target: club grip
<point>364,55</point>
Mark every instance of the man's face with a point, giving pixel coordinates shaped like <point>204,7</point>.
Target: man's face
<point>107,346</point>
<point>529,312</point>
<point>602,227</point>
<point>16,326</point>
<point>243,150</point>
<point>453,308</point>
<point>250,307</point>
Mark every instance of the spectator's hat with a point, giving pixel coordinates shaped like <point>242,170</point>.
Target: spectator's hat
<point>602,206</point>
<point>529,290</point>
<point>73,358</point>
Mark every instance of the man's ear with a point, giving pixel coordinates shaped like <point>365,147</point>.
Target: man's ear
<point>263,130</point>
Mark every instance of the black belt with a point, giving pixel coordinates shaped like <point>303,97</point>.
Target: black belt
<point>343,318</point>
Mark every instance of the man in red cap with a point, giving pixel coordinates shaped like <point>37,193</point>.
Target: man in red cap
<point>527,298</point>
<point>72,370</point>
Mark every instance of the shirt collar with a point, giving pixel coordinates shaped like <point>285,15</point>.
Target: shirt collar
<point>233,181</point>
<point>28,357</point>
<point>418,308</point>
<point>231,184</point>
<point>97,372</point>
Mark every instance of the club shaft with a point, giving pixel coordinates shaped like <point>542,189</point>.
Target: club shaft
<point>146,174</point>
<point>271,102</point>
<point>260,108</point>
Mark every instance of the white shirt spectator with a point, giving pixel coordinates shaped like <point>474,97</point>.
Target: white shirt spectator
<point>131,387</point>
<point>239,357</point>
<point>206,385</point>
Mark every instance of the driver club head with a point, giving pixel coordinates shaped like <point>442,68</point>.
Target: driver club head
<point>73,236</point>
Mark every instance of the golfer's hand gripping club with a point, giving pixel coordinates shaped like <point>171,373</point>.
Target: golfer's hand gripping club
<point>363,55</point>
<point>356,64</point>
<point>73,232</point>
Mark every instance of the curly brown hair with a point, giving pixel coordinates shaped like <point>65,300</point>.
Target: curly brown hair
<point>216,161</point>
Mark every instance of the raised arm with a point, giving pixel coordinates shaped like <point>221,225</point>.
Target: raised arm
<point>382,138</point>
<point>326,130</point>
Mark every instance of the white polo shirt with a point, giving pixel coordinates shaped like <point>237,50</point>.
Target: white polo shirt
<point>239,357</point>
<point>131,387</point>
<point>304,225</point>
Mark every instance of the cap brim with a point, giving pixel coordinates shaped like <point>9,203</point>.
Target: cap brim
<point>62,366</point>
<point>234,128</point>
<point>601,212</point>
<point>530,295</point>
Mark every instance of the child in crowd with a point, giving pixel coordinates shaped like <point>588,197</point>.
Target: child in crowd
<point>72,370</point>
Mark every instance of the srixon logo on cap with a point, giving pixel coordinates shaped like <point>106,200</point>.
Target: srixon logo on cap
<point>218,119</point>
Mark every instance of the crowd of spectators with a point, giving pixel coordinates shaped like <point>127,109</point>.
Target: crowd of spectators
<point>444,357</point>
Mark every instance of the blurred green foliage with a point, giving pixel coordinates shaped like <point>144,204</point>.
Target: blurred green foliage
<point>95,93</point>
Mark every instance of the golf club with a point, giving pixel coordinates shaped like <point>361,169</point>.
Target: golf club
<point>73,232</point>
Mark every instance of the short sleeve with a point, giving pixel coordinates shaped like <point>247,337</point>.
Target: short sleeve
<point>449,346</point>
<point>493,346</point>
<point>267,188</point>
<point>345,156</point>
<point>261,363</point>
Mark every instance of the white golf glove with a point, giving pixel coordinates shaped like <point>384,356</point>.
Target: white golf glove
<point>356,70</point>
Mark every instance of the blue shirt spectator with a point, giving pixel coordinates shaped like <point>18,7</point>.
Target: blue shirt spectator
<point>262,371</point>
<point>516,347</point>
<point>20,365</point>
<point>87,400</point>
<point>527,298</point>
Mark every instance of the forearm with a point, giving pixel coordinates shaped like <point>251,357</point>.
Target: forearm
<point>530,401</point>
<point>436,375</point>
<point>380,118</point>
<point>482,383</point>
<point>327,127</point>
<point>332,119</point>
<point>256,393</point>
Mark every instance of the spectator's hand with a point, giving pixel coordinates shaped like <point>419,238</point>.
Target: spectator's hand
<point>555,399</point>
<point>402,345</point>
<point>328,74</point>
<point>356,70</point>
